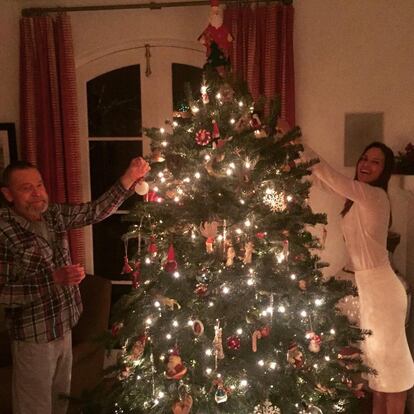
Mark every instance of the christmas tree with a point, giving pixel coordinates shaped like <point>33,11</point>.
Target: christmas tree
<point>229,311</point>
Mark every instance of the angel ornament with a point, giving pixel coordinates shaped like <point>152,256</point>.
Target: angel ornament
<point>231,254</point>
<point>209,231</point>
<point>218,342</point>
<point>248,252</point>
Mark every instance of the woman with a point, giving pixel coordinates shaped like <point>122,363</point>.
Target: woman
<point>383,302</point>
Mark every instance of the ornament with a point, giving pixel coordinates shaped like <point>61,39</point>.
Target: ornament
<point>294,355</point>
<point>203,137</point>
<point>115,328</point>
<point>175,367</point>
<point>233,342</point>
<point>168,302</point>
<point>156,154</point>
<point>152,247</point>
<point>259,334</point>
<point>349,357</point>
<point>141,187</point>
<point>255,122</point>
<point>126,268</point>
<point>226,93</point>
<point>315,342</point>
<point>201,289</point>
<point>217,342</point>
<point>275,200</point>
<point>153,197</point>
<point>266,408</point>
<point>209,231</point>
<point>261,235</point>
<point>138,348</point>
<point>248,252</point>
<point>136,274</point>
<point>230,253</point>
<point>282,127</point>
<point>204,94</point>
<point>170,265</point>
<point>302,285</point>
<point>198,327</point>
<point>220,395</point>
<point>183,405</point>
<point>216,132</point>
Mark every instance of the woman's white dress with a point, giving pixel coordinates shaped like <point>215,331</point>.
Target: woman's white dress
<point>382,297</point>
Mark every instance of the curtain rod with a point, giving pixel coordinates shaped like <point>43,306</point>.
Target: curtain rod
<point>38,11</point>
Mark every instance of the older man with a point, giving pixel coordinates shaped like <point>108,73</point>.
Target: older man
<point>39,283</point>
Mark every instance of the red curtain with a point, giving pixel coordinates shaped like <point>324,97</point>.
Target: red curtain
<point>262,52</point>
<point>48,110</point>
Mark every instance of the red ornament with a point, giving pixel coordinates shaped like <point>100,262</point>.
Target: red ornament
<point>198,327</point>
<point>136,275</point>
<point>138,348</point>
<point>265,331</point>
<point>115,328</point>
<point>216,132</point>
<point>261,235</point>
<point>233,342</point>
<point>175,367</point>
<point>126,267</point>
<point>201,289</point>
<point>152,248</point>
<point>203,137</point>
<point>170,265</point>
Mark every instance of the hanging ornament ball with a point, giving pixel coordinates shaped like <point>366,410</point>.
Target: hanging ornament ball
<point>141,188</point>
<point>233,342</point>
<point>221,395</point>
<point>201,289</point>
<point>203,137</point>
<point>266,408</point>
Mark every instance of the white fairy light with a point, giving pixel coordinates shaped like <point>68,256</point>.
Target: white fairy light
<point>210,304</point>
<point>332,331</point>
<point>243,383</point>
<point>190,322</point>
<point>250,282</point>
<point>162,358</point>
<point>161,394</point>
<point>241,103</point>
<point>293,276</point>
<point>229,171</point>
<point>176,199</point>
<point>273,365</point>
<point>156,189</point>
<point>242,201</point>
<point>197,175</point>
<point>207,157</point>
<point>195,109</point>
<point>327,358</point>
<point>180,191</point>
<point>289,198</point>
<point>269,310</point>
<point>261,363</point>
<point>239,331</point>
<point>147,260</point>
<point>315,366</point>
<point>168,336</point>
<point>318,302</point>
<point>164,143</point>
<point>226,290</point>
<point>232,121</point>
<point>175,124</point>
<point>281,309</point>
<point>247,223</point>
<point>209,371</point>
<point>162,179</point>
<point>162,130</point>
<point>209,352</point>
<point>187,179</point>
<point>239,231</point>
<point>175,324</point>
<point>247,164</point>
<point>157,304</point>
<point>303,314</point>
<point>232,165</point>
<point>218,95</point>
<point>148,321</point>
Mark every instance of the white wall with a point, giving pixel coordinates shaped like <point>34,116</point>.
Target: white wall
<point>350,56</point>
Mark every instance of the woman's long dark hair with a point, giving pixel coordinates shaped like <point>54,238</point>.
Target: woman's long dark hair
<point>383,179</point>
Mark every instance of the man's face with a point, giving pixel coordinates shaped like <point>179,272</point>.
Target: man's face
<point>27,194</point>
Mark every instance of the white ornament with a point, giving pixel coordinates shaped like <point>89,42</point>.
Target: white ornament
<point>266,408</point>
<point>312,409</point>
<point>275,200</point>
<point>141,187</point>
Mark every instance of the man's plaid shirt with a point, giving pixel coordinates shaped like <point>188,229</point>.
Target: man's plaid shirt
<point>38,310</point>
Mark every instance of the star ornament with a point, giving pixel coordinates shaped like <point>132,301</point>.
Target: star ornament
<point>275,200</point>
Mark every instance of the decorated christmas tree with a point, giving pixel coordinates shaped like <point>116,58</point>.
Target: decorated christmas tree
<point>229,311</point>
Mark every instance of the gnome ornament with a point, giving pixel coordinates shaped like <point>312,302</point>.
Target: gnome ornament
<point>170,265</point>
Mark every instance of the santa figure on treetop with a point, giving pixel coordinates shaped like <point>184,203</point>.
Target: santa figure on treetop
<point>216,38</point>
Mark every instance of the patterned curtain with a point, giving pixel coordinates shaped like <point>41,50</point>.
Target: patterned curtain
<point>48,111</point>
<point>262,52</point>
